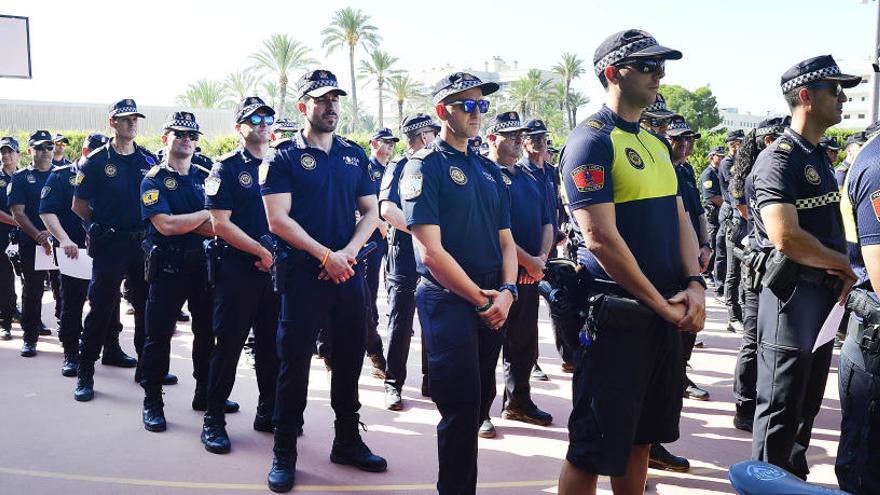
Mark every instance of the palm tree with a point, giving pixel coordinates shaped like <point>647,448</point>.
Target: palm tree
<point>378,68</point>
<point>404,89</point>
<point>203,93</point>
<point>576,99</point>
<point>528,93</point>
<point>350,27</point>
<point>348,125</point>
<point>570,68</point>
<point>239,85</point>
<point>282,55</point>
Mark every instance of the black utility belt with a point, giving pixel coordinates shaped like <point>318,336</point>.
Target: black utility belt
<point>868,338</point>
<point>134,235</point>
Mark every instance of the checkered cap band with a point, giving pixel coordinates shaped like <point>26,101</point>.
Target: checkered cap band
<point>118,110</point>
<point>817,201</point>
<point>816,75</point>
<point>416,125</point>
<point>500,126</point>
<point>659,105</point>
<point>679,124</point>
<point>188,124</point>
<point>313,85</point>
<point>456,88</point>
<point>621,53</point>
<point>773,129</point>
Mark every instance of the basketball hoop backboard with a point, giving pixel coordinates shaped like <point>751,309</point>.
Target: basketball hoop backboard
<point>16,43</point>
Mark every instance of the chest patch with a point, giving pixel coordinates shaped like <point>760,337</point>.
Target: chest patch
<point>31,179</point>
<point>2,183</point>
<point>150,197</point>
<point>634,159</point>
<point>411,186</point>
<point>812,175</point>
<point>488,176</point>
<point>110,170</point>
<point>79,178</point>
<point>45,192</point>
<point>506,179</point>
<point>244,179</point>
<point>351,160</point>
<point>307,161</point>
<point>73,179</point>
<point>212,185</point>
<point>170,183</point>
<point>457,175</point>
<point>707,184</point>
<point>588,178</point>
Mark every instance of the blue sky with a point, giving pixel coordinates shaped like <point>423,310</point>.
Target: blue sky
<point>100,51</point>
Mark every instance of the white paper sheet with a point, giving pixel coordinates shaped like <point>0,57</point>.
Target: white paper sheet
<point>43,261</point>
<point>81,267</point>
<point>829,328</point>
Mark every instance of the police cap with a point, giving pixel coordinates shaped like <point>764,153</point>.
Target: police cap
<point>821,68</point>
<point>38,138</point>
<point>284,125</point>
<point>95,141</point>
<point>505,122</point>
<point>458,82</point>
<point>829,142</point>
<point>317,83</point>
<point>628,45</point>
<point>536,126</point>
<point>737,135</point>
<point>774,125</point>
<point>384,134</point>
<point>249,106</point>
<point>181,121</point>
<point>418,121</point>
<point>658,109</point>
<point>9,142</point>
<point>124,108</point>
<point>679,127</point>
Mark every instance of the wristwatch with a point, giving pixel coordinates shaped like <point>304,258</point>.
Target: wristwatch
<point>698,279</point>
<point>513,290</point>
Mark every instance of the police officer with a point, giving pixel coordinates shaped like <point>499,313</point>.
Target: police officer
<point>797,215</point>
<point>657,116</point>
<point>458,209</point>
<point>832,149</point>
<point>173,205</point>
<point>400,263</point>
<point>854,143</point>
<point>711,194</point>
<point>742,190</point>
<point>283,128</point>
<point>857,456</point>
<point>638,242</point>
<point>732,141</point>
<point>24,202</point>
<point>107,198</point>
<point>10,157</point>
<point>311,185</point>
<point>61,144</point>
<point>532,231</point>
<point>243,295</point>
<point>69,235</point>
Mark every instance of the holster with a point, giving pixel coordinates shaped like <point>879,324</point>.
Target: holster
<point>712,214</point>
<point>96,236</point>
<point>280,261</point>
<point>214,250</point>
<point>151,260</point>
<point>15,259</point>
<point>610,310</point>
<point>782,274</point>
<point>735,226</point>
<point>565,287</point>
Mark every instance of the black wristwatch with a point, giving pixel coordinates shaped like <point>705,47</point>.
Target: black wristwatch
<point>698,279</point>
<point>513,290</point>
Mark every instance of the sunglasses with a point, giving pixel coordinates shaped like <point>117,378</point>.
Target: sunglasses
<point>835,87</point>
<point>645,65</point>
<point>470,105</point>
<point>45,147</point>
<point>192,135</point>
<point>679,139</point>
<point>256,120</point>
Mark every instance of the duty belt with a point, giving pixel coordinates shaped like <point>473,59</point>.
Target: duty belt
<point>819,277</point>
<point>134,235</point>
<point>868,339</point>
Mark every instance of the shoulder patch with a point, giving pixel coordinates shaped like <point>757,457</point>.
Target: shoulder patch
<point>212,185</point>
<point>784,146</point>
<point>227,156</point>
<point>411,186</point>
<point>588,178</point>
<point>707,184</point>
<point>279,142</point>
<point>150,197</point>
<point>45,192</point>
<point>875,203</point>
<point>153,171</point>
<point>595,124</point>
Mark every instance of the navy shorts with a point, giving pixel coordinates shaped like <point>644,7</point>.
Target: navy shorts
<point>627,391</point>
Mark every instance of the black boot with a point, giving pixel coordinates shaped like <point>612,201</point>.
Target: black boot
<point>263,419</point>
<point>113,354</point>
<point>200,401</point>
<point>85,382</point>
<point>71,360</point>
<point>214,435</point>
<point>154,410</point>
<point>283,472</point>
<point>348,448</point>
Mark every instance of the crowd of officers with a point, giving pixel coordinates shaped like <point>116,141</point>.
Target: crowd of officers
<point>285,238</point>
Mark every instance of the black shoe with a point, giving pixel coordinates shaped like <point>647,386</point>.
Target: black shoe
<point>393,401</point>
<point>44,330</point>
<point>692,391</point>
<point>16,315</point>
<point>734,326</point>
<point>379,365</point>
<point>117,357</point>
<point>532,416</point>
<point>200,403</point>
<point>214,436</point>
<point>426,387</point>
<point>71,361</point>
<point>183,317</point>
<point>6,330</point>
<point>28,350</point>
<point>283,473</point>
<point>154,415</point>
<point>263,422</point>
<point>660,458</point>
<point>85,383</point>
<point>567,367</point>
<point>538,374</point>
<point>354,452</point>
<point>169,379</point>
<point>742,423</point>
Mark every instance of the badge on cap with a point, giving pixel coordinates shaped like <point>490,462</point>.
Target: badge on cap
<point>307,161</point>
<point>212,185</point>
<point>170,183</point>
<point>457,176</point>
<point>110,170</point>
<point>411,186</point>
<point>634,159</point>
<point>244,179</point>
<point>812,175</point>
<point>44,193</point>
<point>588,178</point>
<point>150,197</point>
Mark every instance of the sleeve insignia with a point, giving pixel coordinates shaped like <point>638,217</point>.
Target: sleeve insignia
<point>588,178</point>
<point>707,184</point>
<point>595,124</point>
<point>45,192</point>
<point>212,185</point>
<point>875,203</point>
<point>411,186</point>
<point>150,197</point>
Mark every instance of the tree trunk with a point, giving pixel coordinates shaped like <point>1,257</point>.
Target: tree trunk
<point>381,116</point>
<point>400,112</point>
<point>568,103</point>
<point>354,95</point>
<point>282,95</point>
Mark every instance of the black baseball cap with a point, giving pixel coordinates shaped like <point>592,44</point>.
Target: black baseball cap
<point>628,45</point>
<point>829,142</point>
<point>95,141</point>
<point>737,135</point>
<point>181,121</point>
<point>505,122</point>
<point>39,137</point>
<point>124,108</point>
<point>384,134</point>
<point>536,126</point>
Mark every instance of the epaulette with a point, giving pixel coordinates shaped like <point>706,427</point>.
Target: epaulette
<point>595,124</point>
<point>784,145</point>
<point>396,159</point>
<point>278,142</point>
<point>153,171</point>
<point>98,150</point>
<point>347,141</point>
<point>227,156</point>
<point>61,167</point>
<point>199,167</point>
<point>422,153</point>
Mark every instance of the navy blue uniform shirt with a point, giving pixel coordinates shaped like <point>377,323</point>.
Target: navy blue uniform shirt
<point>389,190</point>
<point>27,188</point>
<point>690,194</point>
<point>709,184</point>
<point>57,197</point>
<point>164,190</point>
<point>724,179</point>
<point>5,186</point>
<point>609,160</point>
<point>233,186</point>
<point>324,188</point>
<point>860,206</point>
<point>528,208</point>
<point>549,175</point>
<point>377,170</point>
<point>111,183</point>
<point>464,194</point>
<point>793,171</point>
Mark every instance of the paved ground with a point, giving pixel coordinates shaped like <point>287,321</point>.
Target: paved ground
<point>51,444</point>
